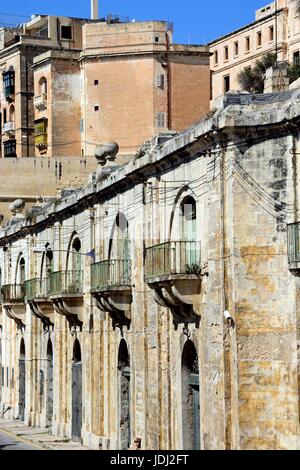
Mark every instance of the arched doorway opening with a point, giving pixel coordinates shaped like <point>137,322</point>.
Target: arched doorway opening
<point>49,399</point>
<point>22,380</point>
<point>76,392</point>
<point>190,398</point>
<point>124,388</point>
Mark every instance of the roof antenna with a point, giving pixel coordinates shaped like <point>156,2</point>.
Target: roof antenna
<point>95,9</point>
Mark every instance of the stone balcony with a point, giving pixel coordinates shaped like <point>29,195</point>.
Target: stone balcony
<point>173,271</point>
<point>9,128</point>
<point>13,303</point>
<point>37,296</point>
<point>12,294</point>
<point>111,286</point>
<point>66,294</point>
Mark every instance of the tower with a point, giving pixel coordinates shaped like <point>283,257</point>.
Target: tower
<point>94,9</point>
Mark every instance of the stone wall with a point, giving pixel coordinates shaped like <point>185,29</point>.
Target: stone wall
<point>237,309</point>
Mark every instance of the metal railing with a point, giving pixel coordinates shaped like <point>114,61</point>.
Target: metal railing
<point>110,273</point>
<point>182,257</point>
<point>40,102</point>
<point>13,293</point>
<point>37,288</point>
<point>293,241</point>
<point>66,282</point>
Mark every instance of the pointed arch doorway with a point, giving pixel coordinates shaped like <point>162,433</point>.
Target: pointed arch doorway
<point>76,392</point>
<point>190,398</point>
<point>124,402</point>
<point>22,380</point>
<point>49,399</point>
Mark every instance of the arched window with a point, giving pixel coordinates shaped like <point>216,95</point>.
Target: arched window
<point>119,246</point>
<point>43,87</point>
<point>76,255</point>
<point>188,218</point>
<point>22,271</point>
<point>12,113</point>
<point>190,397</point>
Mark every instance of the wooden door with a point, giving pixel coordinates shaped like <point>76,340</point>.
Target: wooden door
<point>76,401</point>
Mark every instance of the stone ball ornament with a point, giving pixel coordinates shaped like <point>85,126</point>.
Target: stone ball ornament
<point>17,207</point>
<point>106,152</point>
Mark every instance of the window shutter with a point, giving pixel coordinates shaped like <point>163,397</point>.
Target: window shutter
<point>160,120</point>
<point>160,80</point>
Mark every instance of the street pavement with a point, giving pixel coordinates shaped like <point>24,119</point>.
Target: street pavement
<point>10,442</point>
<point>15,435</point>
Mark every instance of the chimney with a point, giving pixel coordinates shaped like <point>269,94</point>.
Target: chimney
<point>95,9</point>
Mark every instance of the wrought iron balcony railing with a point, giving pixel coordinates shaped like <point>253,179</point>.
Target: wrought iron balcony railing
<point>12,293</point>
<point>293,237</point>
<point>110,273</point>
<point>173,258</point>
<point>37,288</point>
<point>66,283</point>
<point>40,102</point>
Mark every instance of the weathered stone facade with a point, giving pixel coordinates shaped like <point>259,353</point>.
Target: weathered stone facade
<point>185,323</point>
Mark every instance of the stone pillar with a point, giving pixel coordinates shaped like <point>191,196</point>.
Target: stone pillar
<point>276,79</point>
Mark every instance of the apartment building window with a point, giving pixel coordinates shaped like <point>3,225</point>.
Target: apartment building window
<point>8,83</point>
<point>236,48</point>
<point>247,44</point>
<point>10,148</point>
<point>296,57</point>
<point>271,33</point>
<point>226,83</point>
<point>96,82</point>
<point>258,38</point>
<point>160,119</point>
<point>216,55</point>
<point>43,88</point>
<point>66,32</point>
<point>160,80</point>
<point>43,32</point>
<point>226,53</point>
<point>96,107</point>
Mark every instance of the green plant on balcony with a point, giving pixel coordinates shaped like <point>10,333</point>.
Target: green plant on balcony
<point>193,269</point>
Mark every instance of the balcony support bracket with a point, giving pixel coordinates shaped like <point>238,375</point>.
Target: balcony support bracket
<point>182,311</point>
<point>61,308</point>
<point>38,313</point>
<point>106,303</point>
<point>12,315</point>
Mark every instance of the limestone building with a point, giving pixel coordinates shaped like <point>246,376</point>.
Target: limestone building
<point>71,84</point>
<point>160,301</point>
<point>273,30</point>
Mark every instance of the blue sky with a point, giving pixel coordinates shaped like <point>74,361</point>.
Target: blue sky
<point>195,21</point>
